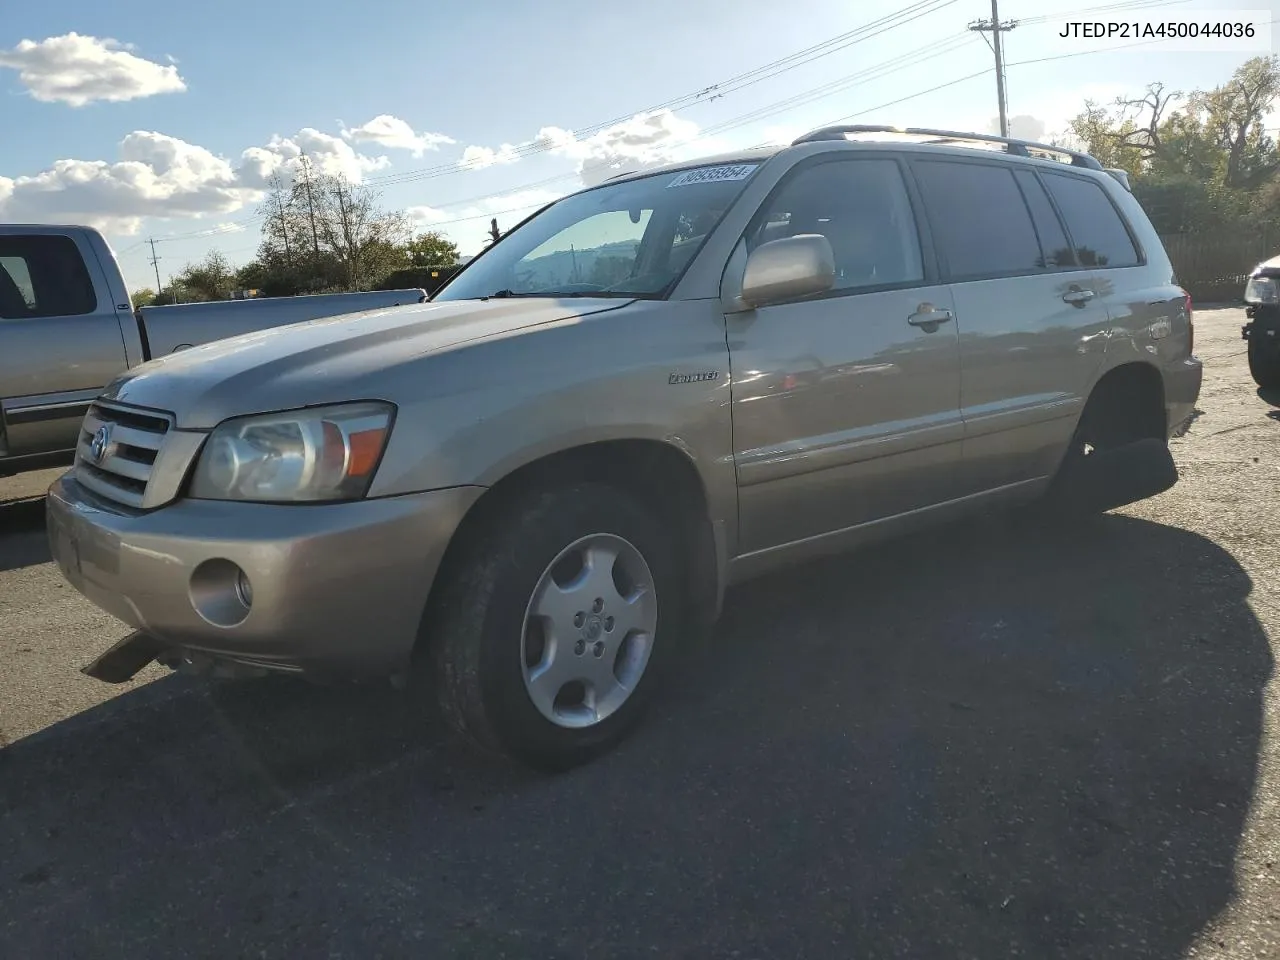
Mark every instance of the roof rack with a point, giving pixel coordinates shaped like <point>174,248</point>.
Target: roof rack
<point>1019,148</point>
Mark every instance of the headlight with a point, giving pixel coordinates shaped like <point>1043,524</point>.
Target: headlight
<point>322,453</point>
<point>1262,290</point>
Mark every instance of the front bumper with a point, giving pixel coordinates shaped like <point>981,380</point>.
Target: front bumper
<point>336,590</point>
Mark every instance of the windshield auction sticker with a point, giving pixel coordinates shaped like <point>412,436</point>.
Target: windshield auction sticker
<point>1189,31</point>
<point>734,171</point>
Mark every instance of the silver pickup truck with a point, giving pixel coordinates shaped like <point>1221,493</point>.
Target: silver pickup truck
<point>523,494</point>
<point>67,328</point>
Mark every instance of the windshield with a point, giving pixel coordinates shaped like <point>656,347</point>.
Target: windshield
<point>631,239</point>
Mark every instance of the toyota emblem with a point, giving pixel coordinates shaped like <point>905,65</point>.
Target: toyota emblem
<point>100,445</point>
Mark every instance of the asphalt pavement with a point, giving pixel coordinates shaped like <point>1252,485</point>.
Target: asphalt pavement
<point>997,740</point>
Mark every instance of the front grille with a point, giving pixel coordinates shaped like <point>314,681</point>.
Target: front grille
<point>117,451</point>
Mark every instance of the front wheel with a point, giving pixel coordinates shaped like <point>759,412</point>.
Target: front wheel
<point>1264,361</point>
<point>554,622</point>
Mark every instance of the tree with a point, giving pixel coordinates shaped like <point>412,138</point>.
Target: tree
<point>210,279</point>
<point>356,231</point>
<point>1234,119</point>
<point>143,297</point>
<point>431,249</point>
<point>325,233</point>
<point>1197,161</point>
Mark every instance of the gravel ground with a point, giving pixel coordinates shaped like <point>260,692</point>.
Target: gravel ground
<point>991,741</point>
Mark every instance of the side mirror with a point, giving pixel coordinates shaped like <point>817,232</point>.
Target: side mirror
<point>788,269</point>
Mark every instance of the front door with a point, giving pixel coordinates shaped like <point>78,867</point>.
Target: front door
<point>845,406</point>
<point>59,345</point>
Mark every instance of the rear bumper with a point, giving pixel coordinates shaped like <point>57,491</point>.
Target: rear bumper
<point>1181,391</point>
<point>334,590</point>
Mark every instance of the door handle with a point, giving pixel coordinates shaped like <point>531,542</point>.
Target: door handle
<point>1077,296</point>
<point>927,315</point>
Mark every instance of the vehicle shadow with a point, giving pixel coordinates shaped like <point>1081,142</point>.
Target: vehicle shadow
<point>989,741</point>
<point>22,536</point>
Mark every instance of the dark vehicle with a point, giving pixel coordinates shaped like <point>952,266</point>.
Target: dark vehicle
<point>1262,300</point>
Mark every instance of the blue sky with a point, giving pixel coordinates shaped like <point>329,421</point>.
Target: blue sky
<point>150,139</point>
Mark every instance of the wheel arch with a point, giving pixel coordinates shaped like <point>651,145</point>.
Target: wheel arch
<point>662,475</point>
<point>1134,385</point>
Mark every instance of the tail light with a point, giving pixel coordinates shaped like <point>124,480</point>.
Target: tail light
<point>1191,327</point>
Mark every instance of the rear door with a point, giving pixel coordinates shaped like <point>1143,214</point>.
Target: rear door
<point>1104,241</point>
<point>1032,317</point>
<point>60,340</point>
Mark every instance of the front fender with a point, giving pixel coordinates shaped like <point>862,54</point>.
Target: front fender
<point>655,371</point>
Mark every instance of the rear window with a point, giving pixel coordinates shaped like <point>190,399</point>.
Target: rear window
<point>1054,245</point>
<point>1099,235</point>
<point>980,222</point>
<point>43,276</point>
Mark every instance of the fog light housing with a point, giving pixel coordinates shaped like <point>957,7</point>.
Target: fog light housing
<point>244,589</point>
<point>221,593</point>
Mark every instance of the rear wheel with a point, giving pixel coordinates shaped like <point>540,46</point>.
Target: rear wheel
<point>553,624</point>
<point>1264,361</point>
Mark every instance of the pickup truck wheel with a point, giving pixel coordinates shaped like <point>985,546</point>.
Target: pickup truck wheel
<point>552,631</point>
<point>1264,362</point>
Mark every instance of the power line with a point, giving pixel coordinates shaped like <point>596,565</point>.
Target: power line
<point>868,31</point>
<point>929,51</point>
<point>842,41</point>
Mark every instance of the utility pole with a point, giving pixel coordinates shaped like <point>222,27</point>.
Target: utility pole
<point>155,263</point>
<point>995,28</point>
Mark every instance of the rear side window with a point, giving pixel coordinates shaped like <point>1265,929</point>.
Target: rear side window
<point>43,276</point>
<point>980,222</point>
<point>1099,234</point>
<point>1054,245</point>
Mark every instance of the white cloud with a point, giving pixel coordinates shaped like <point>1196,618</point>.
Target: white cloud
<point>645,140</point>
<point>161,176</point>
<point>156,176</point>
<point>77,70</point>
<point>327,153</point>
<point>1022,127</point>
<point>477,158</point>
<point>394,133</point>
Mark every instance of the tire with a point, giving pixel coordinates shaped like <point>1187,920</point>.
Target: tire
<point>488,641</point>
<point>1264,362</point>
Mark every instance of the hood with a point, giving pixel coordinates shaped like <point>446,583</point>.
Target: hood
<point>325,361</point>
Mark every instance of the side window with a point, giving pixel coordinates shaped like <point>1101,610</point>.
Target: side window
<point>1054,245</point>
<point>43,276</point>
<point>980,222</point>
<point>862,208</point>
<point>1096,228</point>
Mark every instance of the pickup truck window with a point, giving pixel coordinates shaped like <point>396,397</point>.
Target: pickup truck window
<point>628,239</point>
<point>43,276</point>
